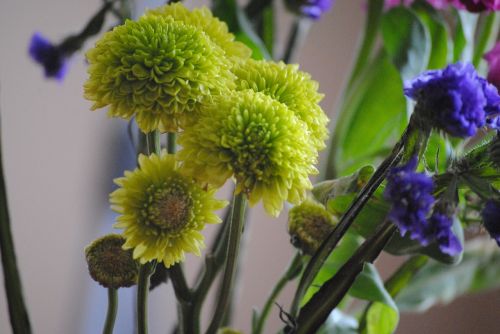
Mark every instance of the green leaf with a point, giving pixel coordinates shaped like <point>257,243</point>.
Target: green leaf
<point>464,36</point>
<point>406,40</point>
<point>438,283</point>
<point>442,46</point>
<point>372,118</point>
<point>339,323</point>
<point>383,315</point>
<point>229,12</point>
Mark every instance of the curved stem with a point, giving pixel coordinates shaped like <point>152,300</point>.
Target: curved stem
<point>345,222</point>
<point>291,272</point>
<point>235,231</point>
<point>316,311</point>
<point>298,34</point>
<point>142,298</point>
<point>181,289</point>
<point>112,308</point>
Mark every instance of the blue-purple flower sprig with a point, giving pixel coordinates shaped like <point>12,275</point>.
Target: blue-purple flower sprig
<point>455,100</point>
<point>54,57</point>
<point>312,9</point>
<point>410,194</point>
<point>491,219</point>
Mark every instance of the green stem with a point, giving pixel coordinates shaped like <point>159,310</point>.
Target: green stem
<point>112,308</point>
<point>18,313</point>
<point>298,34</point>
<point>171,146</point>
<point>255,7</point>
<point>235,231</point>
<point>181,289</point>
<point>316,311</point>
<point>291,272</point>
<point>346,220</point>
<point>145,272</point>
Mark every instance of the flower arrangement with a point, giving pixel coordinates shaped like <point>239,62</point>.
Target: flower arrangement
<point>410,164</point>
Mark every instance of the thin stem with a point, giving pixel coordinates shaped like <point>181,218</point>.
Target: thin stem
<point>298,34</point>
<point>316,311</point>
<point>181,289</point>
<point>112,308</point>
<point>171,147</point>
<point>291,272</point>
<point>18,313</point>
<point>145,272</point>
<point>345,222</point>
<point>235,231</point>
<point>255,7</point>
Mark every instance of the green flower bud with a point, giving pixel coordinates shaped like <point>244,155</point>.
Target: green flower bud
<point>109,264</point>
<point>308,225</point>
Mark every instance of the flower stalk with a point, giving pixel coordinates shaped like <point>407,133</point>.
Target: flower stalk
<point>112,309</point>
<point>145,272</point>
<point>235,232</point>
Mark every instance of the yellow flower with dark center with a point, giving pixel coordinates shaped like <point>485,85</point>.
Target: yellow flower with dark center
<point>162,210</point>
<point>286,84</point>
<point>156,69</point>
<point>259,141</point>
<point>202,18</point>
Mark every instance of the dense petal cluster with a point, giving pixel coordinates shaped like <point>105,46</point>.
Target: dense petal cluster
<point>258,140</point>
<point>481,5</point>
<point>162,211</point>
<point>156,69</point>
<point>288,85</point>
<point>455,99</point>
<point>493,59</point>
<point>53,60</point>
<point>109,264</point>
<point>203,19</point>
<point>312,9</point>
<point>411,196</point>
<point>309,224</point>
<point>491,219</point>
<point>440,227</point>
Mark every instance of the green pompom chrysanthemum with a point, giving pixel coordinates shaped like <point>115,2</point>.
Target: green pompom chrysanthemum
<point>289,86</point>
<point>259,141</point>
<point>162,210</point>
<point>202,18</point>
<point>157,69</point>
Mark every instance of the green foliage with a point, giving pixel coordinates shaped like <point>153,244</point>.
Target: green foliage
<point>229,12</point>
<point>464,36</point>
<point>439,283</point>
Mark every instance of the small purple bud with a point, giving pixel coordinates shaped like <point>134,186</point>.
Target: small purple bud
<point>49,56</point>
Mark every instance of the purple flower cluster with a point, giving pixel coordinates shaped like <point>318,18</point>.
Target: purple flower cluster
<point>455,99</point>
<point>312,9</point>
<point>49,56</point>
<point>491,219</point>
<point>411,196</point>
<point>481,5</point>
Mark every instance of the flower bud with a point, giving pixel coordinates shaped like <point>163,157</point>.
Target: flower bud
<point>109,264</point>
<point>308,225</point>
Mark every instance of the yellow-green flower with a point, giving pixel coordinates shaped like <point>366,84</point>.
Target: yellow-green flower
<point>309,223</point>
<point>156,69</point>
<point>202,18</point>
<point>290,86</point>
<point>162,211</point>
<point>259,141</point>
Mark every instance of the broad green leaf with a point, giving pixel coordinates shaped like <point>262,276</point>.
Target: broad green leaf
<point>435,283</point>
<point>371,119</point>
<point>464,36</point>
<point>442,46</point>
<point>383,315</point>
<point>406,40</point>
<point>229,12</point>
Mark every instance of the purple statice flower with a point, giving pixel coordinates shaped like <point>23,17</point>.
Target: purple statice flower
<point>455,99</point>
<point>491,219</point>
<point>481,5</point>
<point>440,230</point>
<point>411,196</point>
<point>310,8</point>
<point>493,59</point>
<point>49,56</point>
